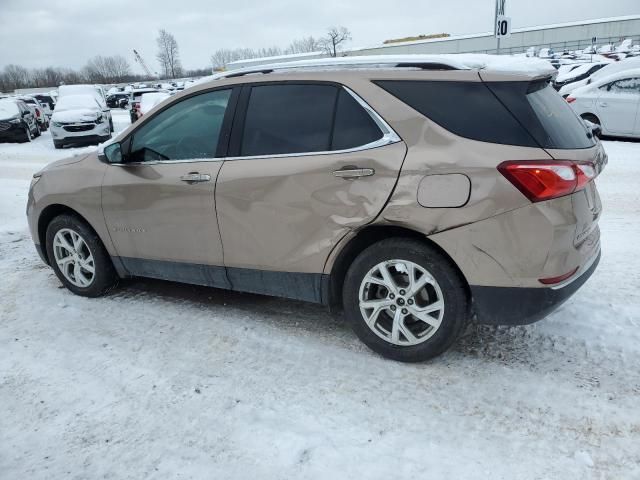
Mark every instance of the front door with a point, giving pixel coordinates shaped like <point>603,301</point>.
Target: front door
<point>159,202</point>
<point>309,164</point>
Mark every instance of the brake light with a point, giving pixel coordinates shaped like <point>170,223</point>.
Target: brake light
<point>38,113</point>
<point>571,99</point>
<point>540,180</point>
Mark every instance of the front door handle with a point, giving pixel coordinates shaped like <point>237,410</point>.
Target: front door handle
<point>353,172</point>
<point>195,177</point>
<point>603,104</point>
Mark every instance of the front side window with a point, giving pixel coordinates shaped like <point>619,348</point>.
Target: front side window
<point>189,129</point>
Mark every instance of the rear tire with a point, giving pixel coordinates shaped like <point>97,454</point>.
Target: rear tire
<point>405,326</point>
<point>27,135</point>
<point>79,258</point>
<point>57,145</point>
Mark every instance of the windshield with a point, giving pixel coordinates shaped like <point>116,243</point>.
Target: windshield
<point>71,102</point>
<point>8,109</point>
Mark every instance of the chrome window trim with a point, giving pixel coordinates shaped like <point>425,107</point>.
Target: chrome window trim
<point>389,136</point>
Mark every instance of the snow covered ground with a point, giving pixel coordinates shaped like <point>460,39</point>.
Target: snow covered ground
<point>160,380</point>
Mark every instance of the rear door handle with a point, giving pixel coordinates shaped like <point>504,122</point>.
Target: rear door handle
<point>353,172</point>
<point>603,104</point>
<point>195,177</point>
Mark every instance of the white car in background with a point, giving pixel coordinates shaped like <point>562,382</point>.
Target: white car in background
<point>612,102</point>
<point>626,64</point>
<point>95,90</point>
<point>79,119</point>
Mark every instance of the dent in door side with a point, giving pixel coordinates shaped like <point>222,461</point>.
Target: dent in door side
<point>287,213</point>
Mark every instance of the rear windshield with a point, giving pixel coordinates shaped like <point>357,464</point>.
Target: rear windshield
<point>46,99</point>
<point>545,114</point>
<point>510,113</point>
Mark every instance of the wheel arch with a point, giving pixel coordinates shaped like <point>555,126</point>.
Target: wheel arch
<point>47,215</point>
<point>588,115</point>
<point>364,239</point>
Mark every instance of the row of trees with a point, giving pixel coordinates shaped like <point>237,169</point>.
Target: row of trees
<point>331,44</point>
<point>114,69</point>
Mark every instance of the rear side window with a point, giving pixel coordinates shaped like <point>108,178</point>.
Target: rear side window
<point>304,118</point>
<point>509,113</point>
<point>284,119</point>
<point>353,125</point>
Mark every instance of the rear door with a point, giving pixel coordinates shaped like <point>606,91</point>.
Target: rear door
<point>617,106</point>
<point>308,163</point>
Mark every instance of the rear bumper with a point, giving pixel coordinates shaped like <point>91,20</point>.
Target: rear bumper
<point>522,306</point>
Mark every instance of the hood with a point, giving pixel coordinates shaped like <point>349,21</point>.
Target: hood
<point>76,115</point>
<point>64,162</point>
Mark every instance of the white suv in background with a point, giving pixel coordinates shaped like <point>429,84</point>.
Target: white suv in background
<point>612,102</point>
<point>95,90</point>
<point>79,119</point>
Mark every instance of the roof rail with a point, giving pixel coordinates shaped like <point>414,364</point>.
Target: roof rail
<point>423,62</point>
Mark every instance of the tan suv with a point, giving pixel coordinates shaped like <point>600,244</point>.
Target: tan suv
<point>413,195</point>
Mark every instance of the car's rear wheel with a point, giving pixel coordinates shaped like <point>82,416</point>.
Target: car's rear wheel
<point>57,144</point>
<point>78,257</point>
<point>405,300</point>
<point>27,135</point>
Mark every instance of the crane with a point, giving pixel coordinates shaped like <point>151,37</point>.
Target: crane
<point>142,64</point>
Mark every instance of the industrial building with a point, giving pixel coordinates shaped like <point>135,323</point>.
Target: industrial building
<point>560,37</point>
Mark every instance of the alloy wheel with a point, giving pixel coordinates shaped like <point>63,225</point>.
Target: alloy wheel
<point>401,302</point>
<point>73,257</point>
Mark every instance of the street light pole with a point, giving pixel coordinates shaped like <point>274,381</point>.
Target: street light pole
<point>499,11</point>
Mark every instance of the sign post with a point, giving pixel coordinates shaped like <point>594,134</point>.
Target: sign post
<point>502,24</point>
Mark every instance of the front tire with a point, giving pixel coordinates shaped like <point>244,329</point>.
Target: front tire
<point>78,257</point>
<point>404,300</point>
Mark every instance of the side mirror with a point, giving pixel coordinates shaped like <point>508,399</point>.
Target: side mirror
<point>112,153</point>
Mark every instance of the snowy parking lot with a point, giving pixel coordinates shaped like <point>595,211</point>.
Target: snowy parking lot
<point>161,380</point>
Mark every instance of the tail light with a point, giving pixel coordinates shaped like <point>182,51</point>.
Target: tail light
<point>571,99</point>
<point>541,180</point>
<point>38,113</point>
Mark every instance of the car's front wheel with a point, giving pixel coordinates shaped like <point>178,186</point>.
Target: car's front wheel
<point>78,257</point>
<point>405,300</point>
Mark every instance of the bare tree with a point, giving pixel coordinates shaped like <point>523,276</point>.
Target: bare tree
<point>304,45</point>
<point>107,69</point>
<point>335,36</point>
<point>168,55</point>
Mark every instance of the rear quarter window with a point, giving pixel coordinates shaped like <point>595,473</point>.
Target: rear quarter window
<point>528,114</point>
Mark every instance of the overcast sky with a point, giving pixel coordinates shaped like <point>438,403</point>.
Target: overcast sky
<point>39,33</point>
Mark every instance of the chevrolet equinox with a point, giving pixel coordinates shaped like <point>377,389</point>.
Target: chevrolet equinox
<point>413,195</point>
